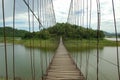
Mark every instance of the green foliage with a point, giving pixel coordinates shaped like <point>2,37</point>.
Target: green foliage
<point>82,45</point>
<point>43,34</point>
<point>9,32</point>
<point>67,31</point>
<point>74,32</point>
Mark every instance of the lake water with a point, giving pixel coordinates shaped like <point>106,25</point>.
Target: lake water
<point>22,61</point>
<point>112,39</point>
<point>107,66</point>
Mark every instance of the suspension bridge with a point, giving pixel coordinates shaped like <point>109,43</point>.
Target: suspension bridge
<point>62,66</point>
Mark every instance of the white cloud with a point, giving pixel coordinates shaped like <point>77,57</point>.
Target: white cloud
<point>61,8</point>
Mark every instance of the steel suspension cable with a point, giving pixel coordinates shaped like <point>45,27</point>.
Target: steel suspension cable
<point>89,31</point>
<point>41,56</point>
<point>4,31</point>
<point>45,21</point>
<point>81,39</point>
<point>90,14</point>
<point>76,8</point>
<point>116,34</point>
<point>80,8</point>
<point>54,13</point>
<point>87,43</point>
<point>98,32</point>
<point>31,62</point>
<point>39,15</point>
<point>89,26</point>
<point>77,4</point>
<point>14,5</point>
<point>33,25</point>
<point>69,12</point>
<point>32,12</point>
<point>78,18</point>
<point>49,24</point>
<point>83,12</point>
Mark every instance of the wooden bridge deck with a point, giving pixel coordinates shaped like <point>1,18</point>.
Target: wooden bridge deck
<point>63,67</point>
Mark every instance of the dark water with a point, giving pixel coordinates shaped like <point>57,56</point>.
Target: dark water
<point>107,63</point>
<point>23,60</point>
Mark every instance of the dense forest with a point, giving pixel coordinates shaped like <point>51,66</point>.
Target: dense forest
<point>9,32</point>
<point>67,31</point>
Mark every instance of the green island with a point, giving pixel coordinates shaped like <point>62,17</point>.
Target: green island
<point>75,37</point>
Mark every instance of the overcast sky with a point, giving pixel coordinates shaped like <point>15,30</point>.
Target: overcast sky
<point>61,8</point>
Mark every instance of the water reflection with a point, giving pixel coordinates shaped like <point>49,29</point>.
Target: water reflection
<point>107,64</point>
<point>23,61</point>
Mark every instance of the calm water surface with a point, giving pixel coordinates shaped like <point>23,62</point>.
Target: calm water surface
<point>22,61</point>
<point>107,65</point>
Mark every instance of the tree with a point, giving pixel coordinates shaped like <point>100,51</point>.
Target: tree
<point>68,31</point>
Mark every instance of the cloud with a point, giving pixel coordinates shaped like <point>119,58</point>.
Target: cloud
<point>61,8</point>
<point>107,23</point>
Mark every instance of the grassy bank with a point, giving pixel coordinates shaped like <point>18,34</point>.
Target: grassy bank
<point>50,44</point>
<point>80,45</point>
<point>42,44</point>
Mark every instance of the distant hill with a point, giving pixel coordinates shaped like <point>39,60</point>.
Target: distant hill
<point>9,32</point>
<point>67,31</point>
<point>107,34</point>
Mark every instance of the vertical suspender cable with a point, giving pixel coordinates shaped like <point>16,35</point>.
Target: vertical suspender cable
<point>87,13</point>
<point>83,26</point>
<point>116,34</point>
<point>38,10</point>
<point>32,12</point>
<point>77,4</point>
<point>83,12</point>
<point>43,23</point>
<point>81,39</point>
<point>87,54</point>
<point>49,24</point>
<point>71,20</point>
<point>41,58</point>
<point>31,62</point>
<point>33,41</point>
<point>69,11</point>
<point>45,2</point>
<point>13,39</point>
<point>89,25</point>
<point>75,8</point>
<point>6,65</point>
<point>53,12</point>
<point>90,14</point>
<point>98,31</point>
<point>80,8</point>
<point>78,18</point>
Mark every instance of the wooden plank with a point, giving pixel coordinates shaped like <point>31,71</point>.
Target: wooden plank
<point>63,67</point>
